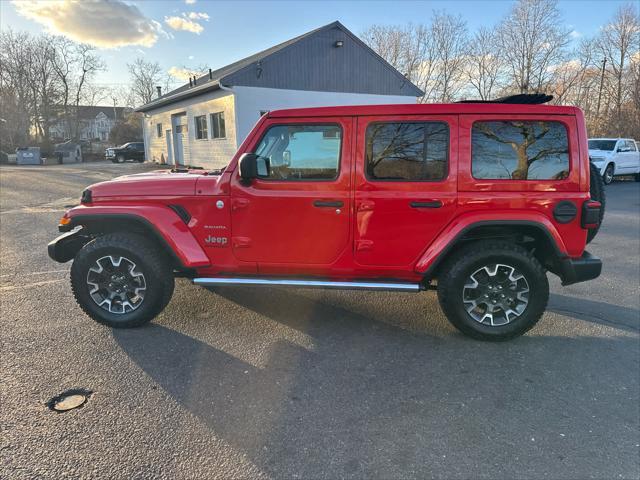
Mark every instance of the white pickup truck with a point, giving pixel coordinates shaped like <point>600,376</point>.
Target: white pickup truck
<point>615,156</point>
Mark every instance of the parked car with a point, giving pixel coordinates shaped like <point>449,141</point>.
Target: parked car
<point>129,151</point>
<point>615,156</point>
<point>475,200</point>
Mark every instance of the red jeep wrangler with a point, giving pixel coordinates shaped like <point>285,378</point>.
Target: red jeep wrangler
<point>477,200</point>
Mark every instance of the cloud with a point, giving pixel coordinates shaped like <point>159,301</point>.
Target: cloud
<point>191,57</point>
<point>102,24</point>
<point>575,34</point>
<point>180,73</point>
<point>198,16</point>
<point>189,2</point>
<point>184,23</point>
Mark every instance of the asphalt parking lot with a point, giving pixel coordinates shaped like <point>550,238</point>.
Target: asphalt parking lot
<point>248,383</point>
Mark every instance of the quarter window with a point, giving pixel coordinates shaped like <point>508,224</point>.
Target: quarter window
<point>159,129</point>
<point>519,150</point>
<point>407,151</point>
<point>201,127</point>
<point>217,125</point>
<point>302,152</point>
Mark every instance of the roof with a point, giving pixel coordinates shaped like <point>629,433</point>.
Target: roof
<point>243,72</point>
<point>425,109</point>
<point>91,112</point>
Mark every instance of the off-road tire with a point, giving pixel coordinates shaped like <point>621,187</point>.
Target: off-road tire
<point>120,159</point>
<point>460,266</point>
<point>597,192</point>
<point>147,257</point>
<point>607,177</point>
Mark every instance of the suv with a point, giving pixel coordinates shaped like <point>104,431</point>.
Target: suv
<point>615,156</point>
<point>128,151</point>
<point>475,200</point>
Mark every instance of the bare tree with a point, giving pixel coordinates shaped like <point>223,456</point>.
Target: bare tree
<point>450,43</point>
<point>484,66</point>
<point>619,41</point>
<point>145,77</point>
<point>75,66</point>
<point>532,39</point>
<point>430,56</point>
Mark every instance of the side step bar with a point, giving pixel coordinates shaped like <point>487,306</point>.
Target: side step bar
<point>231,281</point>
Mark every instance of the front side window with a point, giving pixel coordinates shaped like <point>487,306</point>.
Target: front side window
<point>201,127</point>
<point>159,129</point>
<point>519,150</point>
<point>407,151</point>
<point>217,125</point>
<point>302,152</point>
<point>631,145</point>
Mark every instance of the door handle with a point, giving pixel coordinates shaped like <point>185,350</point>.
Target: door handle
<point>426,204</point>
<point>327,203</point>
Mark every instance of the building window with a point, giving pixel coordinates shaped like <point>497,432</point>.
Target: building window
<point>302,152</point>
<point>409,152</point>
<point>201,127</point>
<point>159,129</point>
<point>519,150</point>
<point>217,125</point>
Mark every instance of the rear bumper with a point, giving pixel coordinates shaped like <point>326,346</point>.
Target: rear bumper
<point>582,269</point>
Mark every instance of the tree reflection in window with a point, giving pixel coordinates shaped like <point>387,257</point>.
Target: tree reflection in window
<point>416,151</point>
<point>520,150</point>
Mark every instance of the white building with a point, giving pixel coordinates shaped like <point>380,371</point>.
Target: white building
<point>203,122</point>
<point>95,123</point>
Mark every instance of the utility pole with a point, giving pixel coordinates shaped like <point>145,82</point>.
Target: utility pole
<point>604,63</point>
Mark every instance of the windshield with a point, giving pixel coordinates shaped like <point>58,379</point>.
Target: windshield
<point>602,144</point>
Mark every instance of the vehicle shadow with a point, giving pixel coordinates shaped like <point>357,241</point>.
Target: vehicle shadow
<point>617,316</point>
<point>374,400</point>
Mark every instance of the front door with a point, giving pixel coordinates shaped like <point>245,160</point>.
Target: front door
<point>299,213</point>
<point>405,186</point>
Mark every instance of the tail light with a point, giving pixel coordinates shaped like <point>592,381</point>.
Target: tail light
<point>590,214</point>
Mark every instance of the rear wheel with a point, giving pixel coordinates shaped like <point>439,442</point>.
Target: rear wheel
<point>121,280</point>
<point>493,290</point>
<point>607,176</point>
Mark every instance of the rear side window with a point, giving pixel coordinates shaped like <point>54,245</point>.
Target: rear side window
<point>520,150</point>
<point>411,151</point>
<point>302,152</point>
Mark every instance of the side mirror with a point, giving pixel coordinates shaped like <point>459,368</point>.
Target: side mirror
<point>253,166</point>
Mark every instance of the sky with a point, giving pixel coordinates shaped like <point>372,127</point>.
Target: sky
<point>192,33</point>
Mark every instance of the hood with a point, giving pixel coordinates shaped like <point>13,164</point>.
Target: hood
<point>156,183</point>
<point>600,154</point>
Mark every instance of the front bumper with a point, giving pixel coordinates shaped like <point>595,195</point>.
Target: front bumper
<point>582,269</point>
<point>65,247</point>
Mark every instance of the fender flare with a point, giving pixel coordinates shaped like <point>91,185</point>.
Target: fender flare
<point>165,225</point>
<point>439,249</point>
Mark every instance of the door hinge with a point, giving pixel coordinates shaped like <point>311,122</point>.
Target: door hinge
<point>241,242</point>
<point>238,203</point>
<point>363,245</point>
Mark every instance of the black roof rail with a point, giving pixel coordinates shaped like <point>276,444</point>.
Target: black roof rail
<point>521,98</point>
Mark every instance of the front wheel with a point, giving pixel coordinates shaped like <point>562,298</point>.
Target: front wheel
<point>120,159</point>
<point>121,280</point>
<point>493,290</point>
<point>607,176</point>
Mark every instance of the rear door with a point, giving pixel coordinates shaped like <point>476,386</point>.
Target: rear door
<point>405,192</point>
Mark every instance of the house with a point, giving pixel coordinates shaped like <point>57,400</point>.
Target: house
<point>203,122</point>
<point>95,123</point>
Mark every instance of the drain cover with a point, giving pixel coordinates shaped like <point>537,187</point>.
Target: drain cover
<point>69,400</point>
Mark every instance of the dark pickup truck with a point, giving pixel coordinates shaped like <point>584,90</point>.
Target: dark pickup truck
<point>128,151</point>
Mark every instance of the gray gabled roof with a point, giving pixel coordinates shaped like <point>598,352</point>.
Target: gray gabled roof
<point>243,71</point>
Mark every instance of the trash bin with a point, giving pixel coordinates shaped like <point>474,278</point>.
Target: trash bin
<point>28,156</point>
